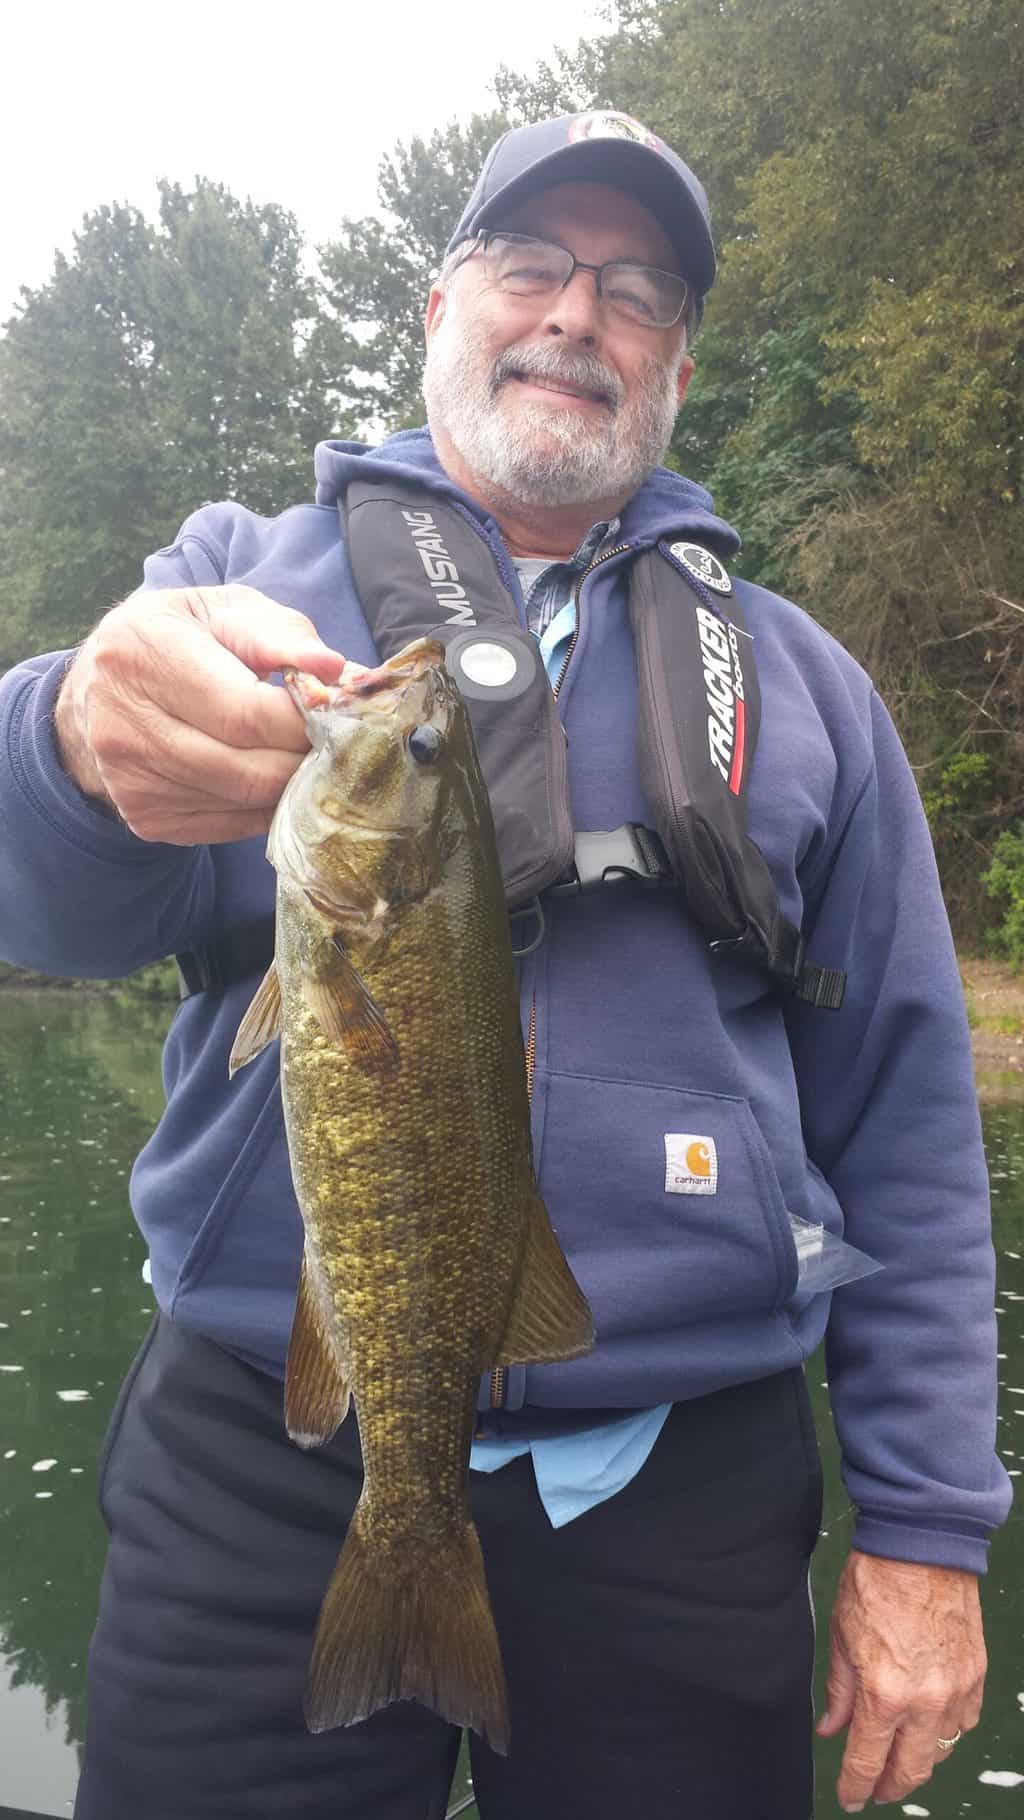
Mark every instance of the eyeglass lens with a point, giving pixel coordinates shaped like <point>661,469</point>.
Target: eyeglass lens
<point>533,268</point>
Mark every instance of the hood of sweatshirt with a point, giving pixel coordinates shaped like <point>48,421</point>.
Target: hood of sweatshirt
<point>665,504</point>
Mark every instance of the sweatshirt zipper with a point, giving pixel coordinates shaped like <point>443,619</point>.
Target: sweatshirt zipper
<point>500,1372</point>
<point>620,549</point>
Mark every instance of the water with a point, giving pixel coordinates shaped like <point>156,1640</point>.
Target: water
<point>80,1090</point>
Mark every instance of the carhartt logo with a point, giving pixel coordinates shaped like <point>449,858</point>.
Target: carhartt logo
<point>441,572</point>
<point>723,688</point>
<point>691,1163</point>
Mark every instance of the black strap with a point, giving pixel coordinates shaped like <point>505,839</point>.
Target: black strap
<point>235,956</point>
<point>601,858</point>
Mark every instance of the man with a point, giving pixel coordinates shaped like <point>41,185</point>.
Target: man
<point>658,1644</point>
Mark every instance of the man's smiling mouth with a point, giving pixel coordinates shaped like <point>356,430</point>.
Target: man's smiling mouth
<point>563,387</point>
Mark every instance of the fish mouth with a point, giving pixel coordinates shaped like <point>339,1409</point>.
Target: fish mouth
<point>378,690</point>
<point>384,687</point>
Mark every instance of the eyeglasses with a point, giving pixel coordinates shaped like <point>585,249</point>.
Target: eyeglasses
<point>525,267</point>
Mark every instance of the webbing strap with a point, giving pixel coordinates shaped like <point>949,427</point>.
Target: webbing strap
<point>602,858</point>
<point>822,987</point>
<point>236,956</point>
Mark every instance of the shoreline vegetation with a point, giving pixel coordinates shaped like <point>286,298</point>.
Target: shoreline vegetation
<point>993,991</point>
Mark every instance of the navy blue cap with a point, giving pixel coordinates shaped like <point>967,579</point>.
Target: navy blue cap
<point>596,148</point>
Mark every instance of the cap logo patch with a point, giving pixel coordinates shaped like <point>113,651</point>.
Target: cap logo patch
<point>703,566</point>
<point>612,126</point>
<point>691,1163</point>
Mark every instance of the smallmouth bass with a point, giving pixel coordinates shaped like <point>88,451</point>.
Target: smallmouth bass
<point>429,1255</point>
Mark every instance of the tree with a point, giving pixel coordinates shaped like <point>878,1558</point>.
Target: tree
<point>159,366</point>
<point>379,269</point>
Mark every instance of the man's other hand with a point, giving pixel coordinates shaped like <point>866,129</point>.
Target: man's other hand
<point>164,716</point>
<point>907,1668</point>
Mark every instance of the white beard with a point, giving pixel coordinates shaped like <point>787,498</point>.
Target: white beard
<point>538,454</point>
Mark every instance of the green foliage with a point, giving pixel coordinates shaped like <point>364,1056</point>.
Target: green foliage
<point>378,272</point>
<point>159,366</point>
<point>1004,881</point>
<point>962,783</point>
<point>153,985</point>
<point>764,438</point>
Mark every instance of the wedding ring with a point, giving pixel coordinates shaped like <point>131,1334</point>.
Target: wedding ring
<point>948,1743</point>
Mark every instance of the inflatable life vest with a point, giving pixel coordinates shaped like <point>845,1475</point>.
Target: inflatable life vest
<point>422,569</point>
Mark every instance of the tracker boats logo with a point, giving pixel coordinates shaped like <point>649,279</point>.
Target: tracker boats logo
<point>723,690</point>
<point>440,570</point>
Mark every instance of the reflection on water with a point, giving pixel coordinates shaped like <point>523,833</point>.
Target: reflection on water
<point>80,1091</point>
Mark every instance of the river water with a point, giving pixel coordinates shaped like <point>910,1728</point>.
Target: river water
<point>80,1091</point>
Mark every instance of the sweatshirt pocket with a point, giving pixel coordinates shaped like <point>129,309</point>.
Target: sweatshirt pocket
<point>667,1202</point>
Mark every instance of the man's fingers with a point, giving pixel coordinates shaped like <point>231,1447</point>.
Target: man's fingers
<point>165,709</point>
<point>912,1756</point>
<point>227,702</point>
<point>867,1750</point>
<point>841,1692</point>
<point>179,827</point>
<point>262,634</point>
<point>192,673</point>
<point>186,767</point>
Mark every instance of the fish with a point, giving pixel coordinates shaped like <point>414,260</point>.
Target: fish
<point>429,1255</point>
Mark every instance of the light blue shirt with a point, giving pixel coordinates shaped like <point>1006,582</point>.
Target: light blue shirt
<point>574,1471</point>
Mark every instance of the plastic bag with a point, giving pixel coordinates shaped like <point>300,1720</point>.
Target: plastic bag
<point>825,1262</point>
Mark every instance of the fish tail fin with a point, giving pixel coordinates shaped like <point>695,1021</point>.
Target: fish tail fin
<point>422,1631</point>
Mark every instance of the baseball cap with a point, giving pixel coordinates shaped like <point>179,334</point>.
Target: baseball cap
<point>597,148</point>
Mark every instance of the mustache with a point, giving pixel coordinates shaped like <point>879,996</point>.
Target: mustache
<point>583,371</point>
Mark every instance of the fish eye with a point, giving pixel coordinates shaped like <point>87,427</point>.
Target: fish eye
<point>424,744</point>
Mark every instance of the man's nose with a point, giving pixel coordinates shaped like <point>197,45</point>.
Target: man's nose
<point>575,311</point>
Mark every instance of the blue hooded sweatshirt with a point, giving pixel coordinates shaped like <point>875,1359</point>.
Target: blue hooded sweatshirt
<point>864,1119</point>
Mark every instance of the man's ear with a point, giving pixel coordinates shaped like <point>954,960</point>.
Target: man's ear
<point>436,304</point>
<point>686,371</point>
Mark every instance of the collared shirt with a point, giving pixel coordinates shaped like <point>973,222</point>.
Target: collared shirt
<point>547,586</point>
<point>573,1471</point>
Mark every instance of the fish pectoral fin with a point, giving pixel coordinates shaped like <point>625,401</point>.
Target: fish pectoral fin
<point>316,1391</point>
<point>261,1023</point>
<point>550,1317</point>
<point>347,1015</point>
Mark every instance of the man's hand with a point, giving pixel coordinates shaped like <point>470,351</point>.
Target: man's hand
<point>163,714</point>
<point>907,1668</point>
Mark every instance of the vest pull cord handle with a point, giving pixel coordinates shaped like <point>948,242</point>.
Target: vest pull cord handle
<point>533,908</point>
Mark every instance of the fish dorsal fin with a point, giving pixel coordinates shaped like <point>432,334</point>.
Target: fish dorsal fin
<point>346,1012</point>
<point>550,1317</point>
<point>261,1023</point>
<point>316,1391</point>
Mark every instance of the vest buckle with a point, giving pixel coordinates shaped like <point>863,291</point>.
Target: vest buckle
<point>607,856</point>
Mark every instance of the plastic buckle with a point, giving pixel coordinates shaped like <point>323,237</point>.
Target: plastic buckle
<point>606,857</point>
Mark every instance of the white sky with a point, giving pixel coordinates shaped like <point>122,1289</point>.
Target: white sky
<point>287,104</point>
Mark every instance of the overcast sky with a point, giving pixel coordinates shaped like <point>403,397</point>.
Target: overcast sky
<point>288,104</point>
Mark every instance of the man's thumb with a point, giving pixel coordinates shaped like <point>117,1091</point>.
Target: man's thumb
<point>841,1691</point>
<point>263,634</point>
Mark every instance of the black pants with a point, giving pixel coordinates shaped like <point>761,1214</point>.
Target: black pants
<point>658,1649</point>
